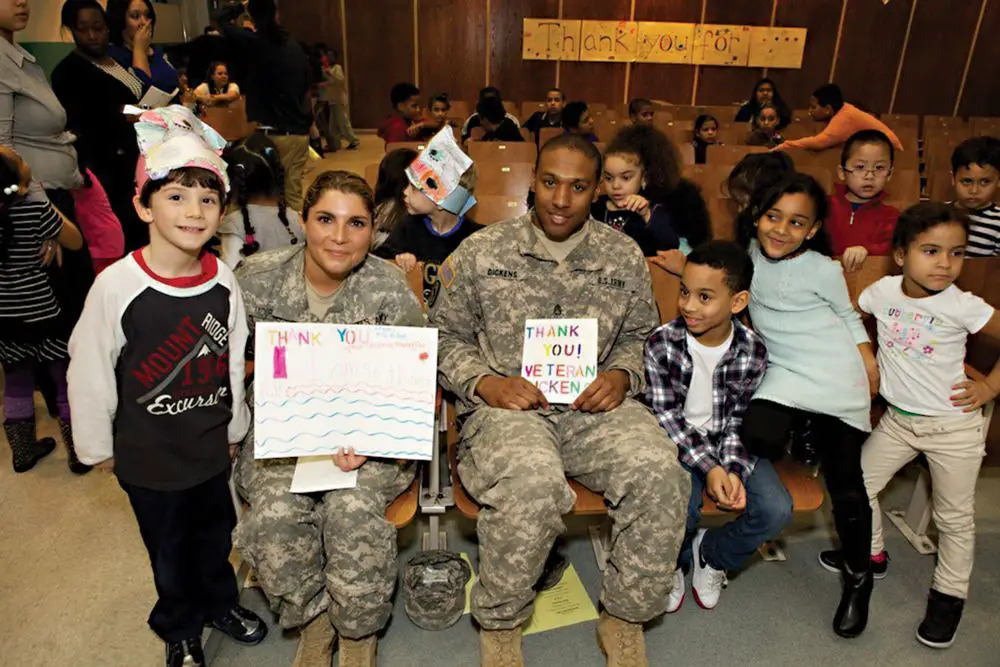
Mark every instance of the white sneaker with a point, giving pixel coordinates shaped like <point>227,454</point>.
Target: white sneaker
<point>706,582</point>
<point>676,597</point>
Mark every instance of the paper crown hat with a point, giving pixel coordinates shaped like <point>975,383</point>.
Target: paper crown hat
<point>172,138</point>
<point>437,171</point>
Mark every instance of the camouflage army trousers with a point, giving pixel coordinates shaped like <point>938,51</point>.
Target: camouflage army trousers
<point>331,551</point>
<point>515,465</point>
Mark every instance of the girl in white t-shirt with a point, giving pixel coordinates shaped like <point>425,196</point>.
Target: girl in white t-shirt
<point>934,409</point>
<point>260,220</point>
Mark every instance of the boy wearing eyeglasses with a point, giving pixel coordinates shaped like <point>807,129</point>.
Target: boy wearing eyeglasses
<point>860,222</point>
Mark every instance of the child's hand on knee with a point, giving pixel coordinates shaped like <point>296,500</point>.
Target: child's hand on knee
<point>738,501</point>
<point>718,484</point>
<point>853,258</point>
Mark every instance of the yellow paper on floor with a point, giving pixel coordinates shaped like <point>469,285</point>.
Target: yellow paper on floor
<point>566,603</point>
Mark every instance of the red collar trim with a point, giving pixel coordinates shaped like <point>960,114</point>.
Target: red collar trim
<point>209,269</point>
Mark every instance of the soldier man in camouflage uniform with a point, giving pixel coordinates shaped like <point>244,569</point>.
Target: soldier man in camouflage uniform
<point>328,557</point>
<point>555,261</point>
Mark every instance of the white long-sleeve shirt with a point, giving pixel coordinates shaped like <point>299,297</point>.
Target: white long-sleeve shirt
<point>156,373</point>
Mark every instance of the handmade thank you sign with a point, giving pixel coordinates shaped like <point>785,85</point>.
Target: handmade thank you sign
<point>560,357</point>
<point>321,387</point>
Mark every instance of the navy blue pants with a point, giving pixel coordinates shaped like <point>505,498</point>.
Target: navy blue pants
<point>188,535</point>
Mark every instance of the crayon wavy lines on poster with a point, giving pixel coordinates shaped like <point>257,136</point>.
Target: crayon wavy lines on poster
<point>359,388</point>
<point>289,447</point>
<point>345,415</point>
<point>322,399</point>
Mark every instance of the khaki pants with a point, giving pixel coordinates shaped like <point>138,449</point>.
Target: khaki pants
<point>954,447</point>
<point>293,151</point>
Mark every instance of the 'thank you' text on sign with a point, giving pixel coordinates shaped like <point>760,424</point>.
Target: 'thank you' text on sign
<point>321,387</point>
<point>560,357</point>
<point>663,42</point>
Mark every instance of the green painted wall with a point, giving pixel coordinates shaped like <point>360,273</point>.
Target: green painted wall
<point>48,54</point>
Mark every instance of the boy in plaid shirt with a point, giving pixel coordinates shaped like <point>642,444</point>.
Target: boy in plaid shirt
<point>701,370</point>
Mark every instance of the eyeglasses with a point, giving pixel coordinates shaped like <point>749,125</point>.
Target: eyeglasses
<point>879,170</point>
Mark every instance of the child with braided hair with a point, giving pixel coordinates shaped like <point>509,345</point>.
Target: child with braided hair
<point>259,219</point>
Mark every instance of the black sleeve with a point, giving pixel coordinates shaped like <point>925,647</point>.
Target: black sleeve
<point>534,122</point>
<point>784,114</point>
<point>744,114</point>
<point>508,131</point>
<point>689,214</point>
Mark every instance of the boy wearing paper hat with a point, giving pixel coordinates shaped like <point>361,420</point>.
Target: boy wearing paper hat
<point>156,384</point>
<point>442,180</point>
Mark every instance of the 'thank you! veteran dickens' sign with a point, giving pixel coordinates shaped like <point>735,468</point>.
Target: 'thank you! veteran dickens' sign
<point>560,357</point>
<point>320,387</point>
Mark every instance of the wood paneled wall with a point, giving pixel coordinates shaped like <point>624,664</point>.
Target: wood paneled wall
<point>905,56</point>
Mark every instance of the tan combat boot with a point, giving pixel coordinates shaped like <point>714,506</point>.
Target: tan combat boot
<point>358,652</point>
<point>500,648</point>
<point>315,643</point>
<point>621,641</point>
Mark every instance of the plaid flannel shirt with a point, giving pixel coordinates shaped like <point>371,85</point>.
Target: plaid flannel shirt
<point>668,376</point>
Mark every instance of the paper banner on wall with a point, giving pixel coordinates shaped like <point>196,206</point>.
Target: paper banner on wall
<point>320,387</point>
<point>659,42</point>
<point>608,41</point>
<point>560,356</point>
<point>551,39</point>
<point>777,47</point>
<point>721,44</point>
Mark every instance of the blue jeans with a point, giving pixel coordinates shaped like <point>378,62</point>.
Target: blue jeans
<point>768,511</point>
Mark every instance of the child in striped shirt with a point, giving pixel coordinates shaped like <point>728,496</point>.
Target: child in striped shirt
<point>975,172</point>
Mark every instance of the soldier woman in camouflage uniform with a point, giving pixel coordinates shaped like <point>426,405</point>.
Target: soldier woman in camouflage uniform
<point>555,261</point>
<point>326,561</point>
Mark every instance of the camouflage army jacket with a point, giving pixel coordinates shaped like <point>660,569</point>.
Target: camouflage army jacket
<point>274,290</point>
<point>503,275</point>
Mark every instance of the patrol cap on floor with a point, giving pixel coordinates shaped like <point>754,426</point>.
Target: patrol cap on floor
<point>434,588</point>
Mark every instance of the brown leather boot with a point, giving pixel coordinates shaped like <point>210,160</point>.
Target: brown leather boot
<point>358,652</point>
<point>500,648</point>
<point>315,643</point>
<point>621,641</point>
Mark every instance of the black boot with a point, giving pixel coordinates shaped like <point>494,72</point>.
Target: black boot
<point>852,613</point>
<point>75,466</point>
<point>27,451</point>
<point>944,612</point>
<point>803,447</point>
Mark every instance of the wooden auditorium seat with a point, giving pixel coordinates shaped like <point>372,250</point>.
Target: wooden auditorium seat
<point>460,111</point>
<point>939,186</point>
<point>494,151</point>
<point>709,178</point>
<point>903,189</point>
<point>547,133</point>
<point>722,217</point>
<point>414,145</point>
<point>497,208</point>
<point>728,154</point>
<point>510,179</point>
<point>528,108</point>
<point>823,175</point>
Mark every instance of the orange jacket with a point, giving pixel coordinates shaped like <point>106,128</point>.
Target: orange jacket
<point>844,123</point>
